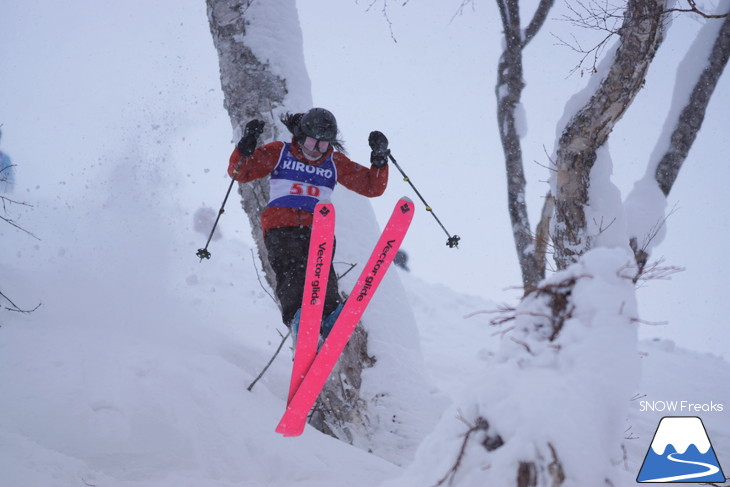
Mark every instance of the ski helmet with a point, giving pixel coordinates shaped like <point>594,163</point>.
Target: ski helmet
<point>319,124</point>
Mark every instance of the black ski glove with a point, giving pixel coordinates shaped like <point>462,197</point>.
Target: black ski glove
<point>248,142</point>
<point>379,145</point>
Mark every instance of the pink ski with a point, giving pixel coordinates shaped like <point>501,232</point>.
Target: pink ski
<point>295,417</point>
<point>319,261</point>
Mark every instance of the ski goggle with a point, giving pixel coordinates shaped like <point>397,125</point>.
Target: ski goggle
<point>311,144</point>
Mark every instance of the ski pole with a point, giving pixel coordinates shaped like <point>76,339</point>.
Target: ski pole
<point>204,253</point>
<point>453,240</point>
<point>254,128</point>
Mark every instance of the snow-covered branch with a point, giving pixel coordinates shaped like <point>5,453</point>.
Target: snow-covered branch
<point>587,131</point>
<point>692,115</point>
<point>697,77</point>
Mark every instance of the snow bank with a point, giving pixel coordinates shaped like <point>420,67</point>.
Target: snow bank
<point>538,393</point>
<point>134,370</point>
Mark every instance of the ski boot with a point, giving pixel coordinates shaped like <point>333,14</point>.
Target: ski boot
<point>328,323</point>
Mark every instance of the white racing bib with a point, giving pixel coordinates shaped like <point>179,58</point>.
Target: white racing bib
<point>294,184</point>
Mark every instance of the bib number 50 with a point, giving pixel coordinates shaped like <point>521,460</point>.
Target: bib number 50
<point>304,189</point>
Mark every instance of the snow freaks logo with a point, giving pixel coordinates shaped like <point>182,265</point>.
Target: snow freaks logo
<point>680,452</point>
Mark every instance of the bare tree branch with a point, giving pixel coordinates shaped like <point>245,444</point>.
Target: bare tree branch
<point>266,367</point>
<point>641,252</point>
<point>384,11</point>
<point>15,307</point>
<point>462,7</point>
<point>693,9</point>
<point>657,271</point>
<point>596,17</point>
<point>490,443</point>
<point>7,201</point>
<point>258,277</point>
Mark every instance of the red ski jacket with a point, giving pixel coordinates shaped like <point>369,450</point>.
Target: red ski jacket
<point>368,182</point>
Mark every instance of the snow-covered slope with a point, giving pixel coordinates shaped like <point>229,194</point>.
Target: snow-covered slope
<point>136,374</point>
<point>133,372</point>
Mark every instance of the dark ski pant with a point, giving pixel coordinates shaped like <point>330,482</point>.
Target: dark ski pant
<point>288,248</point>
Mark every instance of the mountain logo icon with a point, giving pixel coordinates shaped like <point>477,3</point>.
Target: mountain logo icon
<point>680,452</point>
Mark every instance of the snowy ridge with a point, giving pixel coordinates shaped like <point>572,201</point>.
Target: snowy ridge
<point>680,433</point>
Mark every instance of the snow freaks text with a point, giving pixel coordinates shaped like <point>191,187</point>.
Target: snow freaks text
<point>680,407</point>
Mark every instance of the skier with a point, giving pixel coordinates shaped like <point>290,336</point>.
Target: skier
<point>7,176</point>
<point>302,172</point>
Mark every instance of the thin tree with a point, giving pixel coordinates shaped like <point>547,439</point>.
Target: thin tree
<point>510,83</point>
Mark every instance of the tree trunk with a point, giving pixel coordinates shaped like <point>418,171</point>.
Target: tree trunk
<point>339,411</point>
<point>250,91</point>
<point>640,36</point>
<point>509,92</point>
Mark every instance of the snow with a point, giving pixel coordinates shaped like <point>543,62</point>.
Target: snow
<point>689,429</point>
<point>521,120</point>
<point>283,53</point>
<point>605,214</point>
<point>141,380</point>
<point>574,385</point>
<point>145,384</point>
<point>133,372</point>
